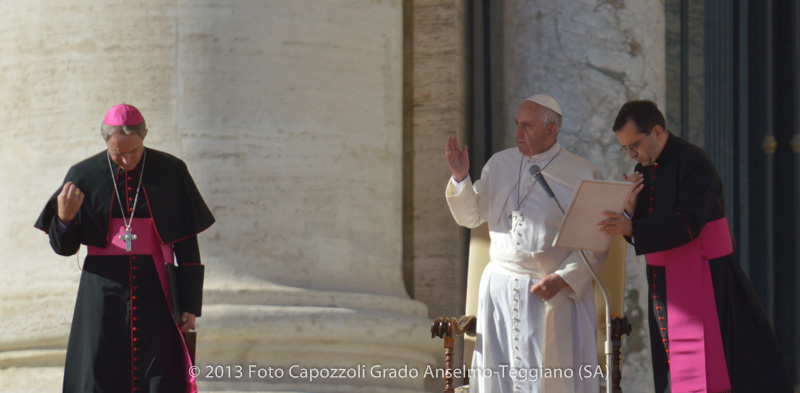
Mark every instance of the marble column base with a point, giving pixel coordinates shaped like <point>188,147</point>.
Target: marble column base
<point>332,342</point>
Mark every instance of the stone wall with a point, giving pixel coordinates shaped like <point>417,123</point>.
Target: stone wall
<point>436,109</point>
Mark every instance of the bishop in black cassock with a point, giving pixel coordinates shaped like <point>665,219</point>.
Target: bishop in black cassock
<point>708,331</point>
<point>124,337</point>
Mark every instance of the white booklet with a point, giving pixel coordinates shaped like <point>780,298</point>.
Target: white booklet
<point>579,229</point>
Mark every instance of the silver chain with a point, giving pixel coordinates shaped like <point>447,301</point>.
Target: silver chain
<point>116,190</point>
<point>519,178</point>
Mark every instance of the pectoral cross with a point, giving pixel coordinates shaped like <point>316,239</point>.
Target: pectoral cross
<point>128,236</point>
<point>516,217</point>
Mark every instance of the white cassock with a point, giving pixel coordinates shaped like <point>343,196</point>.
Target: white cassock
<point>525,344</point>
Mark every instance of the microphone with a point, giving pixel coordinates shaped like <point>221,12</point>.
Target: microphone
<point>537,173</point>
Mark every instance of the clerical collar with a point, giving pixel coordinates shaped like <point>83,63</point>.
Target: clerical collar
<point>117,168</point>
<point>546,155</point>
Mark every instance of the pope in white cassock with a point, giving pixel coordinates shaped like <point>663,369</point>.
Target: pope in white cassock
<point>536,315</point>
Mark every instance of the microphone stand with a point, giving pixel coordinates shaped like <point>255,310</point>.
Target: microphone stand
<point>609,352</point>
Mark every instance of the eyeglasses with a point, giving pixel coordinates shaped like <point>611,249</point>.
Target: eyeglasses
<point>634,146</point>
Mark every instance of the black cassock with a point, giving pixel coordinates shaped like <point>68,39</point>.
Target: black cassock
<point>123,337</point>
<point>682,192</point>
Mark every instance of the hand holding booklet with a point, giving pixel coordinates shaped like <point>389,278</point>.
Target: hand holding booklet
<point>591,198</point>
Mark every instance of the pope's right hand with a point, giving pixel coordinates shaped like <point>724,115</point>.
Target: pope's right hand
<point>457,159</point>
<point>69,201</point>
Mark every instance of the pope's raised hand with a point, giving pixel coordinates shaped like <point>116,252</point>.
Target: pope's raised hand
<point>457,159</point>
<point>637,179</point>
<point>69,201</point>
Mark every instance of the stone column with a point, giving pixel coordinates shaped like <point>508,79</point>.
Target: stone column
<point>289,116</point>
<point>592,57</point>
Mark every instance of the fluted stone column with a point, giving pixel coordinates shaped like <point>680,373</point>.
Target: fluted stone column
<point>592,57</point>
<point>289,116</point>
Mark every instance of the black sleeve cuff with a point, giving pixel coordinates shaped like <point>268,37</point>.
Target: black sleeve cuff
<point>190,288</point>
<point>64,243</point>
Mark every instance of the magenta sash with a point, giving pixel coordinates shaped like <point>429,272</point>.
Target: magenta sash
<point>697,358</point>
<point>148,243</point>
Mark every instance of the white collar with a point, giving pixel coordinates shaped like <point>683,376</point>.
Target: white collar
<point>548,154</point>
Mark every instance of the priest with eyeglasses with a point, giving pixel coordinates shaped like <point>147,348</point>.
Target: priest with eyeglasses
<point>708,331</point>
